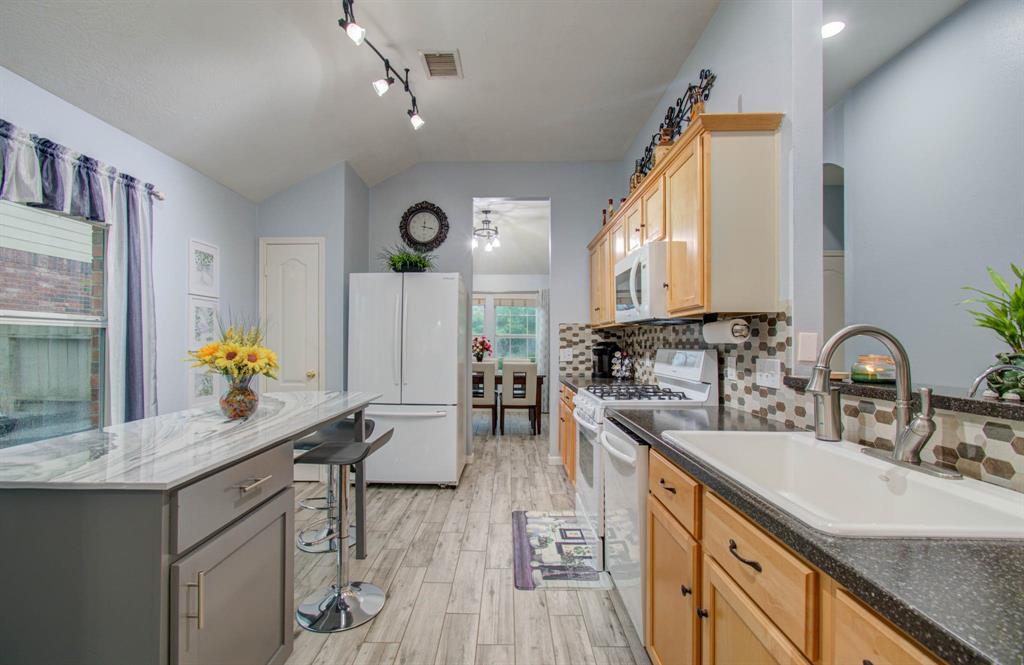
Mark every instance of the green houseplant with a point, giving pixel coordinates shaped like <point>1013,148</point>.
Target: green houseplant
<point>401,258</point>
<point>1003,313</point>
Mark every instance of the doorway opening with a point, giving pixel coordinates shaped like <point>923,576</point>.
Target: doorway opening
<point>834,259</point>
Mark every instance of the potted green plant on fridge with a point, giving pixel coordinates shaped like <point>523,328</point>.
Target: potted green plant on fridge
<point>1002,312</point>
<point>401,258</point>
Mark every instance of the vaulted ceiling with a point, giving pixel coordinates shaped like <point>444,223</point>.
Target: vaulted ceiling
<point>260,95</point>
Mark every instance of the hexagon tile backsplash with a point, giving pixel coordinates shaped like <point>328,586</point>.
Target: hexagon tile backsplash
<point>980,447</point>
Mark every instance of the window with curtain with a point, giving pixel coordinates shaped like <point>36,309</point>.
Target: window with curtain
<point>52,324</point>
<point>479,316</point>
<point>515,328</point>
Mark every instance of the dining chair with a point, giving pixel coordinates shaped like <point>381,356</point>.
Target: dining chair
<point>519,390</point>
<point>484,395</point>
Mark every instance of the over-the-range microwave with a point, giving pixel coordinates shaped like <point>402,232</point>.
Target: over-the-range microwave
<point>641,283</point>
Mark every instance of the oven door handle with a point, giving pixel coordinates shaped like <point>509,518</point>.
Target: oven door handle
<point>583,423</point>
<point>611,450</point>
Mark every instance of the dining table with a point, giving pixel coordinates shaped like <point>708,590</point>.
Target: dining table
<point>539,403</point>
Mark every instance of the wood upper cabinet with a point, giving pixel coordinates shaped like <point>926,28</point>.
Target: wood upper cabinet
<point>684,223</point>
<point>634,219</point>
<point>861,638</point>
<point>673,589</point>
<point>735,629</point>
<point>598,285</point>
<point>653,201</point>
<point>619,241</point>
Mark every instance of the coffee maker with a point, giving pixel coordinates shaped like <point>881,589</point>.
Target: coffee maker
<point>603,352</point>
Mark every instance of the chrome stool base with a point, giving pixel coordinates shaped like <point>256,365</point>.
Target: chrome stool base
<point>316,503</point>
<point>321,540</point>
<point>340,609</point>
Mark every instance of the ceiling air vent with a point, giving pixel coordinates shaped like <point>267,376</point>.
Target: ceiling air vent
<point>442,64</point>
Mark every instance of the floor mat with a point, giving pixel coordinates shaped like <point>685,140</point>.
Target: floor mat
<point>551,551</point>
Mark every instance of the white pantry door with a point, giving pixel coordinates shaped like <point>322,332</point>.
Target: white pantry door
<point>292,309</point>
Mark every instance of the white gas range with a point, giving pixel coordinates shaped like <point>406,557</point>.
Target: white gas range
<point>611,466</point>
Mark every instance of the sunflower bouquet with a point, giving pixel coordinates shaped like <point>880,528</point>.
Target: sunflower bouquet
<point>239,356</point>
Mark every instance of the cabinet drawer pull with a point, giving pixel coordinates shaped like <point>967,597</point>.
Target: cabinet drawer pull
<point>200,586</point>
<point>667,488</point>
<point>254,484</point>
<point>867,662</point>
<point>702,613</point>
<point>685,590</point>
<point>732,550</point>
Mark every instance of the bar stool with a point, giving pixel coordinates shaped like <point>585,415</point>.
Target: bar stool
<point>318,538</point>
<point>345,604</point>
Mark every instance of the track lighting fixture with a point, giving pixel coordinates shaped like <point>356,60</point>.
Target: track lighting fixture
<point>358,35</point>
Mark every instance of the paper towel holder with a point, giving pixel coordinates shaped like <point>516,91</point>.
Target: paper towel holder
<point>733,331</point>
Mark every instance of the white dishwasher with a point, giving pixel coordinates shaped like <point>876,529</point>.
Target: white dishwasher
<point>625,518</point>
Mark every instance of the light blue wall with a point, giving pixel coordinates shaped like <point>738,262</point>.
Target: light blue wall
<point>934,181</point>
<point>333,205</point>
<point>196,207</point>
<point>577,192</point>
<point>833,217</point>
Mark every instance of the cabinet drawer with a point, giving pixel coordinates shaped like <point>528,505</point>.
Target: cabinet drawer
<point>199,509</point>
<point>675,489</point>
<point>782,586</point>
<point>861,638</point>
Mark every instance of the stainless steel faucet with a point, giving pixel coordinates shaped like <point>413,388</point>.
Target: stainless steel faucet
<point>911,434</point>
<point>984,375</point>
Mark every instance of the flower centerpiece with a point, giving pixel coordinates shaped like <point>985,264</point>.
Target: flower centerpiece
<point>480,347</point>
<point>1003,314</point>
<point>239,356</point>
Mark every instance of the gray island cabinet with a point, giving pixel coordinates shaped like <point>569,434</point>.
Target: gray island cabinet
<point>165,540</point>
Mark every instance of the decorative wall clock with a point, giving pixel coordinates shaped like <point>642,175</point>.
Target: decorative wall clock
<point>424,226</point>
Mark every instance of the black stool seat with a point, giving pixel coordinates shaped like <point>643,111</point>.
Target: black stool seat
<point>343,430</point>
<point>344,452</point>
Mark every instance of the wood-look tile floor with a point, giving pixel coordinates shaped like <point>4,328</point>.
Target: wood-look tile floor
<point>444,557</point>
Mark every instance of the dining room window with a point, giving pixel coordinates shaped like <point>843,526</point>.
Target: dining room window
<point>479,316</point>
<point>52,324</point>
<point>515,328</point>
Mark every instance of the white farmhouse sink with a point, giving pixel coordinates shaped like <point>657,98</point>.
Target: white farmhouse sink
<point>835,488</point>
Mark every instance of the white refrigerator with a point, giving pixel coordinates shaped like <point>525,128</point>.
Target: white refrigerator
<point>407,341</point>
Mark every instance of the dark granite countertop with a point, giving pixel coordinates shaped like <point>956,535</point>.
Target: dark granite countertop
<point>577,381</point>
<point>949,399</point>
<point>963,599</point>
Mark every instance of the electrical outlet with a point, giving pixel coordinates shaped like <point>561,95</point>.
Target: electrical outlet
<point>730,368</point>
<point>768,373</point>
<point>565,355</point>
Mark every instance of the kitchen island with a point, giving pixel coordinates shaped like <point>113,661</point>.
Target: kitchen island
<point>164,540</point>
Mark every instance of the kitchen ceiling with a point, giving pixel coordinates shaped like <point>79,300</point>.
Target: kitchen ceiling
<point>876,30</point>
<point>261,95</point>
<point>524,229</point>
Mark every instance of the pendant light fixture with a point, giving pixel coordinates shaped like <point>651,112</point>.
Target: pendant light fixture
<point>357,34</point>
<point>486,233</point>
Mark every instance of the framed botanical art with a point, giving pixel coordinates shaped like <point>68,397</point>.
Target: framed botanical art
<point>203,387</point>
<point>203,321</point>
<point>203,269</point>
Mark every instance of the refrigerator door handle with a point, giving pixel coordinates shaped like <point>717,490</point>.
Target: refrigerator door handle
<point>396,372</point>
<point>406,414</point>
<point>405,329</point>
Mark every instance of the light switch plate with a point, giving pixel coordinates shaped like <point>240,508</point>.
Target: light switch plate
<point>730,368</point>
<point>768,373</point>
<point>565,355</point>
<point>807,347</point>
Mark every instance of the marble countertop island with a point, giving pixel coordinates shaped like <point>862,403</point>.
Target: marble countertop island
<point>167,451</point>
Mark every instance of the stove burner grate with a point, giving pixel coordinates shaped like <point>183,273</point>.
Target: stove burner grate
<point>637,391</point>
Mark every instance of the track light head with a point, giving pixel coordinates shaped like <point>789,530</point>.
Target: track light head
<point>416,120</point>
<point>381,85</point>
<point>355,32</point>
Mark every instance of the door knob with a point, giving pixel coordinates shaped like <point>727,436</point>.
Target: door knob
<point>310,374</point>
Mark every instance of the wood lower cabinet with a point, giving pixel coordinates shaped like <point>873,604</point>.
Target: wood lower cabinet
<point>673,589</point>
<point>735,629</point>
<point>861,638</point>
<point>231,599</point>
<point>721,591</point>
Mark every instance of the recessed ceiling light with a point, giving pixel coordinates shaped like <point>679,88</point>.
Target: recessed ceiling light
<point>832,29</point>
